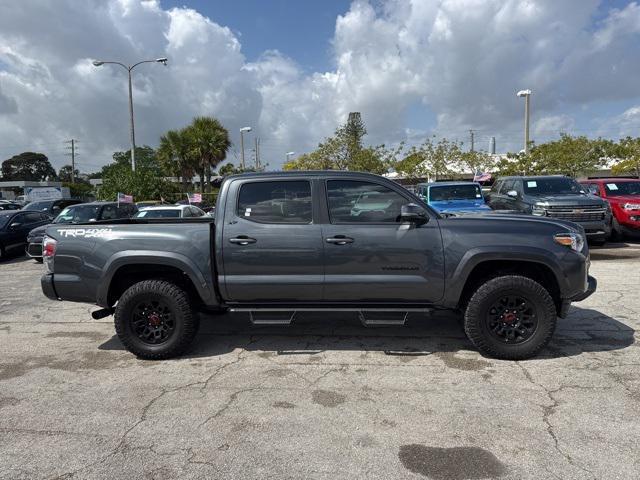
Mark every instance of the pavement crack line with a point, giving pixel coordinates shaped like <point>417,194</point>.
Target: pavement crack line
<point>232,398</point>
<point>143,417</point>
<point>547,412</point>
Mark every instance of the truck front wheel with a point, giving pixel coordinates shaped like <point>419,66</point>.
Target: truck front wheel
<point>154,320</point>
<point>510,317</point>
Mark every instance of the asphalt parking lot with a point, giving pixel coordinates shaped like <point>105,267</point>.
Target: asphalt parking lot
<point>325,398</point>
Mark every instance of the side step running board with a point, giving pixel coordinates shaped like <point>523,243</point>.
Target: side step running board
<point>370,317</point>
<point>271,318</point>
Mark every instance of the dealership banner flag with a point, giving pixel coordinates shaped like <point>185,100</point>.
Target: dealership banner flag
<point>194,198</point>
<point>123,198</point>
<point>481,176</point>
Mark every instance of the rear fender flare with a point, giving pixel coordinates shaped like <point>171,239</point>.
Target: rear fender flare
<point>169,259</point>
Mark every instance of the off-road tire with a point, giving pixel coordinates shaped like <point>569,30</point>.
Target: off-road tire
<point>477,310</point>
<point>176,299</point>
<point>616,231</point>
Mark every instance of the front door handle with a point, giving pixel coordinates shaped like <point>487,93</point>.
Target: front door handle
<point>339,240</point>
<point>242,240</point>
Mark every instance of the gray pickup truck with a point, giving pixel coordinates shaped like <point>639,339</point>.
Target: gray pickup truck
<point>282,243</point>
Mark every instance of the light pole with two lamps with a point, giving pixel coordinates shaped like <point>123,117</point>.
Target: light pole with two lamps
<point>128,68</point>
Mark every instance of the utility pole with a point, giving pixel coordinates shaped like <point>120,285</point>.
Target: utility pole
<point>73,159</point>
<point>472,133</point>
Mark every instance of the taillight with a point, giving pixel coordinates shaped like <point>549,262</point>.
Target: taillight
<point>48,252</point>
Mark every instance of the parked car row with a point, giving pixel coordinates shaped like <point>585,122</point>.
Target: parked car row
<point>623,197</point>
<point>603,207</point>
<point>20,231</point>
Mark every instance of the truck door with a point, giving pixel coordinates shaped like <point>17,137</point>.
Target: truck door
<point>271,247</point>
<point>370,256</point>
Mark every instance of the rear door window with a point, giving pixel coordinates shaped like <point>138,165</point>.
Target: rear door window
<point>275,202</point>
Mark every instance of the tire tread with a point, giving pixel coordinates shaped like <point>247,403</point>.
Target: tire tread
<point>473,317</point>
<point>167,289</point>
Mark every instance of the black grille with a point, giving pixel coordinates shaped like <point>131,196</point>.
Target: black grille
<point>577,213</point>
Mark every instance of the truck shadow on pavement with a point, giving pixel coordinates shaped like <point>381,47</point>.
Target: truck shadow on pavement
<point>585,330</point>
<point>10,259</point>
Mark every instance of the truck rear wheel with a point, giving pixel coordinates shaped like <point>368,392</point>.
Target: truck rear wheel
<point>154,320</point>
<point>510,317</point>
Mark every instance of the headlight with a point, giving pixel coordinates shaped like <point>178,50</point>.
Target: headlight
<point>538,210</point>
<point>631,206</point>
<point>573,240</point>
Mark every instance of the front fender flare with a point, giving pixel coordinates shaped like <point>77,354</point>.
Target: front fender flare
<point>472,258</point>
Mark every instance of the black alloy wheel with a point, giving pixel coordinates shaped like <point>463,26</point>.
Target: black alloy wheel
<point>153,322</point>
<point>512,319</point>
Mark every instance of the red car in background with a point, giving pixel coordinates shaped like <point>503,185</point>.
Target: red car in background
<point>623,194</point>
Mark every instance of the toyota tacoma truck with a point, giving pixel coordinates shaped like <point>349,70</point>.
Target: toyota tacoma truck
<point>291,242</point>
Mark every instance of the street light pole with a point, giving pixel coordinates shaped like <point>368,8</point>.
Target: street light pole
<point>99,63</point>
<point>242,130</point>
<point>527,95</point>
<point>289,154</point>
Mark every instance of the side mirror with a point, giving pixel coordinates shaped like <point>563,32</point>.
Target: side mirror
<point>15,225</point>
<point>412,213</point>
<point>512,194</point>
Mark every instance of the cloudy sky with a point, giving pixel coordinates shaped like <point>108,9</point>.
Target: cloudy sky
<point>293,70</point>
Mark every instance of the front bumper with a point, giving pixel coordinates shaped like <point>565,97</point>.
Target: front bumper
<point>46,282</point>
<point>595,229</point>
<point>592,285</point>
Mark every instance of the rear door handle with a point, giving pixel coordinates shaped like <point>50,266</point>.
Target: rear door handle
<point>242,240</point>
<point>339,240</point>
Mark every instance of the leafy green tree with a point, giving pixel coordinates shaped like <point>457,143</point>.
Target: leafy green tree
<point>64,174</point>
<point>568,155</point>
<point>344,151</point>
<point>80,190</point>
<point>431,160</point>
<point>208,144</point>
<point>28,166</point>
<point>143,184</point>
<point>627,150</point>
<point>175,156</point>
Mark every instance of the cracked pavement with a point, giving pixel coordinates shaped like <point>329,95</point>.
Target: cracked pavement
<point>323,398</point>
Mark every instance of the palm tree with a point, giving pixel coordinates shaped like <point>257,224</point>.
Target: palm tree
<point>174,153</point>
<point>208,144</point>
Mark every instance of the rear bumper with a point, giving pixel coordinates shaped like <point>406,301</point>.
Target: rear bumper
<point>34,250</point>
<point>46,282</point>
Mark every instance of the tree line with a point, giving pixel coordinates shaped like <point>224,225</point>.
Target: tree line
<point>200,147</point>
<point>448,159</point>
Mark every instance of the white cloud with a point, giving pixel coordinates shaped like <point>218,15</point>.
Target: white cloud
<point>463,59</point>
<point>553,124</point>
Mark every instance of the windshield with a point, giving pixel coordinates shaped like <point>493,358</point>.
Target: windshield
<point>455,192</point>
<point>169,213</point>
<point>38,206</point>
<point>3,220</point>
<point>617,189</point>
<point>552,186</point>
<point>78,214</point>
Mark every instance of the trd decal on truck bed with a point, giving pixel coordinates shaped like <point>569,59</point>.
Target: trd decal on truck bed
<point>85,232</point>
